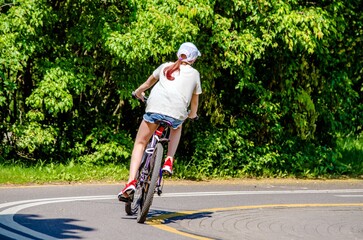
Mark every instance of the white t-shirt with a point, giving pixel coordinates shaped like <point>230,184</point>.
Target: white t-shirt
<point>172,97</point>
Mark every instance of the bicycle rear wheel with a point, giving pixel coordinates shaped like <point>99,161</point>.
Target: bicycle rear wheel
<point>148,189</point>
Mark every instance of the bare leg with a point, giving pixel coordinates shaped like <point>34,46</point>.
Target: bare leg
<point>174,142</point>
<point>143,136</point>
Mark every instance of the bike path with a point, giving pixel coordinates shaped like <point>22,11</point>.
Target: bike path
<point>270,210</point>
<point>188,210</point>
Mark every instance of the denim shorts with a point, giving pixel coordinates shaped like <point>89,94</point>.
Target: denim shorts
<point>153,117</point>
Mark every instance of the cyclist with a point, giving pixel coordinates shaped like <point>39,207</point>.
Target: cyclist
<point>177,86</point>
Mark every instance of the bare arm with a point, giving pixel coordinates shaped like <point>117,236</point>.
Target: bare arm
<point>194,106</point>
<point>145,86</point>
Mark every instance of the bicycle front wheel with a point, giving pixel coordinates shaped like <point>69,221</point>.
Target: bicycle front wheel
<point>150,184</point>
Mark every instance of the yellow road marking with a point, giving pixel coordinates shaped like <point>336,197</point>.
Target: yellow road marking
<point>159,221</point>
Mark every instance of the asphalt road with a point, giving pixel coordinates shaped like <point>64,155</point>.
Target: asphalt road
<point>249,209</point>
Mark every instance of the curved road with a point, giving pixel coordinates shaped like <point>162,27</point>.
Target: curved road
<point>250,209</point>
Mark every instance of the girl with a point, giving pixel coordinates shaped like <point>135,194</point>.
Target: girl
<point>177,87</point>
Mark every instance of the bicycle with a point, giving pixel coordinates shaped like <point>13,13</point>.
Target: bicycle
<point>150,175</point>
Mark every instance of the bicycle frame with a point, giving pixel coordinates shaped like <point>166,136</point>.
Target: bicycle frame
<point>161,134</point>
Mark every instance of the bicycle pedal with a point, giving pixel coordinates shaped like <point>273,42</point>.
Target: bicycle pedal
<point>159,192</point>
<point>122,198</point>
<point>167,173</point>
<point>126,197</point>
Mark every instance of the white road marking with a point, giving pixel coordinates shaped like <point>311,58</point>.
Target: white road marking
<point>12,208</point>
<point>235,193</point>
<point>9,204</point>
<point>7,215</point>
<point>350,196</point>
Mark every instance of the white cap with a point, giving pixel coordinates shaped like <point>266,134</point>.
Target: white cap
<point>189,50</point>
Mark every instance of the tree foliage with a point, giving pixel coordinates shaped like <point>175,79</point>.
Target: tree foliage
<point>281,80</point>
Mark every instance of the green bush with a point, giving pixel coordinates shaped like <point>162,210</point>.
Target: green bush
<point>228,152</point>
<point>104,147</point>
<point>282,82</point>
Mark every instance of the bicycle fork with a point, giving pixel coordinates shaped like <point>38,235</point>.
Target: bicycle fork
<point>144,174</point>
<point>159,186</point>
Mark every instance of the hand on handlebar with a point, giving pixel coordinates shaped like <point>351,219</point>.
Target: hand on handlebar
<point>141,98</point>
<point>193,117</point>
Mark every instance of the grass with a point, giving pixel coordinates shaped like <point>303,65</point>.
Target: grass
<point>352,154</point>
<point>60,173</point>
<point>351,150</point>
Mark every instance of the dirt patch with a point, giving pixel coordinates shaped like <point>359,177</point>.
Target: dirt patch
<point>243,181</point>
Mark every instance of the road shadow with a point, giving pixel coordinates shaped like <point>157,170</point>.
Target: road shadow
<point>60,228</point>
<point>168,217</point>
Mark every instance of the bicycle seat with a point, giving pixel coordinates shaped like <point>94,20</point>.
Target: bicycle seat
<point>164,123</point>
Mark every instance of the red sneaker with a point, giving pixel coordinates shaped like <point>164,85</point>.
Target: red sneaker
<point>129,189</point>
<point>168,166</point>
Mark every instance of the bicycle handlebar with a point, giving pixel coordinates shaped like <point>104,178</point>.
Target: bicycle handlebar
<point>194,119</point>
<point>144,99</point>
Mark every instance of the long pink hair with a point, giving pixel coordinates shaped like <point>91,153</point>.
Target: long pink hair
<point>169,70</point>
